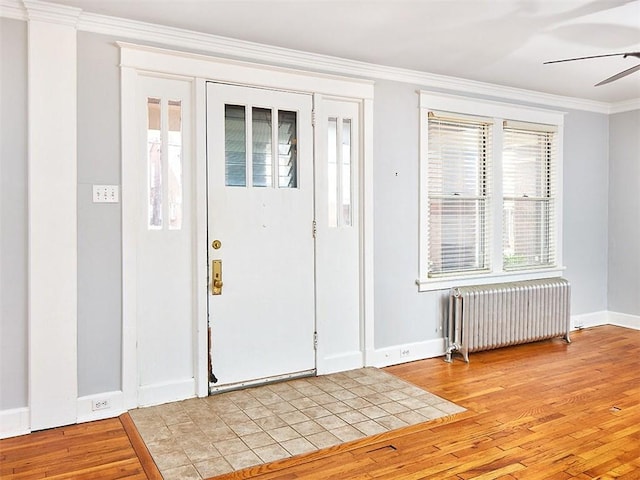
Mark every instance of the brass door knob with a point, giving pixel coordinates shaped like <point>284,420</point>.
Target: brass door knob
<point>217,283</point>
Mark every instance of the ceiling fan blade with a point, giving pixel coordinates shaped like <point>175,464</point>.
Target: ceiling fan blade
<point>627,54</point>
<point>615,77</point>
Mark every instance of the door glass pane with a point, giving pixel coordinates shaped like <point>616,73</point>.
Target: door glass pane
<point>287,149</point>
<point>154,163</point>
<point>346,172</point>
<point>262,147</point>
<point>235,144</point>
<point>175,165</point>
<point>332,172</point>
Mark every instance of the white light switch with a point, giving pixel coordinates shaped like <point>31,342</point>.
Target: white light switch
<point>105,194</point>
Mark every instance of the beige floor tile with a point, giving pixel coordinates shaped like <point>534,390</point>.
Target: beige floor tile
<point>352,417</point>
<point>347,433</point>
<point>234,445</point>
<point>283,433</point>
<point>291,418</point>
<point>270,423</point>
<point>271,453</point>
<point>307,428</point>
<point>243,460</point>
<point>229,431</point>
<point>256,440</point>
<point>390,422</point>
<point>323,439</point>
<point>296,446</point>
<point>369,427</point>
<point>213,467</point>
<point>245,428</point>
<point>186,472</point>
<point>330,422</point>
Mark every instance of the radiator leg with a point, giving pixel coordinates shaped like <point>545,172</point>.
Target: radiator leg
<point>566,338</point>
<point>448,354</point>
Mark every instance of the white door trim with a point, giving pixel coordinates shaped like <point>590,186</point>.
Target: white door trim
<point>135,60</point>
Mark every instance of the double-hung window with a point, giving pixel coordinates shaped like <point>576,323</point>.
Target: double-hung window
<point>459,194</point>
<point>490,192</point>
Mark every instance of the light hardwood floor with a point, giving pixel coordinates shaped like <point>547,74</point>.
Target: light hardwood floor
<point>539,411</point>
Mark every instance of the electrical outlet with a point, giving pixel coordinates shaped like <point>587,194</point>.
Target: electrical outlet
<point>100,404</point>
<point>105,194</point>
<point>404,352</point>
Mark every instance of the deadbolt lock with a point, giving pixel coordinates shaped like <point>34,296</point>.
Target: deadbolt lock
<point>216,244</point>
<point>216,277</point>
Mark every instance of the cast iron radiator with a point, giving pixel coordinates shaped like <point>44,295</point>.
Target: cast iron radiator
<point>492,316</point>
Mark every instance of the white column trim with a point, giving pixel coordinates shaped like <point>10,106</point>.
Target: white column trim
<point>52,223</point>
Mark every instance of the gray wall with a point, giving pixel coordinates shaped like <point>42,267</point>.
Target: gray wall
<point>13,214</point>
<point>99,230</point>
<point>624,213</point>
<point>586,153</point>
<point>402,314</point>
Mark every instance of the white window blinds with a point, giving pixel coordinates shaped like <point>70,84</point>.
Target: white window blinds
<point>459,196</point>
<point>529,161</point>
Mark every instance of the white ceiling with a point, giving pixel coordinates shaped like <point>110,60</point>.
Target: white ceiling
<point>503,42</point>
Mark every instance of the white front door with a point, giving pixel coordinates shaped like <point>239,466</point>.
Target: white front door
<point>260,229</point>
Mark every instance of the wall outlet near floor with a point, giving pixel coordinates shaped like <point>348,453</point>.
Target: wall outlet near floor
<point>100,404</point>
<point>404,352</point>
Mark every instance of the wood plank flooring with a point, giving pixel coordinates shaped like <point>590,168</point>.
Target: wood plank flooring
<point>539,411</point>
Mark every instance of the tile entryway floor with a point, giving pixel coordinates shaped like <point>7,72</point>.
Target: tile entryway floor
<point>204,437</point>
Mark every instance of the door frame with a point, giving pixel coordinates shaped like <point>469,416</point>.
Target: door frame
<point>137,60</point>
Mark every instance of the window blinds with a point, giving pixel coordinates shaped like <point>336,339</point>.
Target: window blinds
<point>459,196</point>
<point>528,179</point>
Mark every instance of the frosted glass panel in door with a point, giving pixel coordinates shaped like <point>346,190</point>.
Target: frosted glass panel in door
<point>174,155</point>
<point>154,163</point>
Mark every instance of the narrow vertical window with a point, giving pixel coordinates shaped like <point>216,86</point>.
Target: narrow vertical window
<point>459,220</point>
<point>174,157</point>
<point>262,147</point>
<point>287,149</point>
<point>332,172</point>
<point>235,144</point>
<point>528,236</point>
<point>154,163</point>
<point>346,172</point>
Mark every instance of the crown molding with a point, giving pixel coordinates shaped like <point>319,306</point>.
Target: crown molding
<point>627,106</point>
<point>13,9</point>
<point>272,55</point>
<point>244,50</point>
<point>52,13</point>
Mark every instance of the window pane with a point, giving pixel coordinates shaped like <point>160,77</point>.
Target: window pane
<point>457,235</point>
<point>528,216</point>
<point>332,171</point>
<point>287,149</point>
<point>175,165</point>
<point>235,144</point>
<point>346,172</point>
<point>154,163</point>
<point>458,182</point>
<point>262,147</point>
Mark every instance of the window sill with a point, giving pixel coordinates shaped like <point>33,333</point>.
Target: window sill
<point>444,283</point>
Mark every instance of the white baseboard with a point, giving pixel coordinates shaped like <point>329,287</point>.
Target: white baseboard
<point>409,352</point>
<point>624,320</point>
<point>159,393</point>
<point>586,320</point>
<point>114,402</point>
<point>339,363</point>
<point>14,422</point>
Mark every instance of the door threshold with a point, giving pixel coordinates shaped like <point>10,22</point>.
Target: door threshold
<point>215,389</point>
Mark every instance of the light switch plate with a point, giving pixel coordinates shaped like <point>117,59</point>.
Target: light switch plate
<point>106,194</point>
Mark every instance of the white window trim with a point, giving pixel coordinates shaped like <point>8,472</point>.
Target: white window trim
<point>498,111</point>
